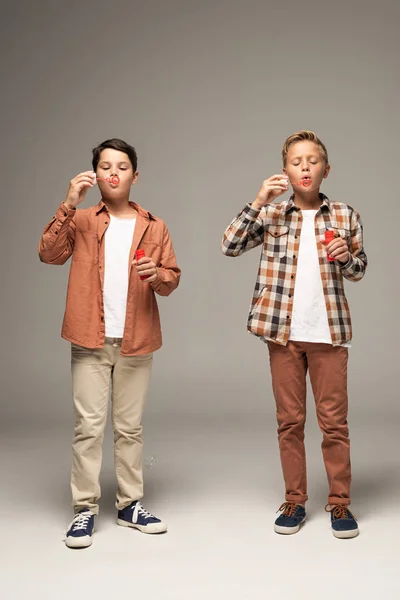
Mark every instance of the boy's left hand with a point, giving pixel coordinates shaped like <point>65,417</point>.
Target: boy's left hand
<point>338,250</point>
<point>146,266</point>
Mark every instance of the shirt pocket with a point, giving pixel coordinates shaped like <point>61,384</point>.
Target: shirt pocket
<point>276,241</point>
<point>152,249</point>
<point>86,247</point>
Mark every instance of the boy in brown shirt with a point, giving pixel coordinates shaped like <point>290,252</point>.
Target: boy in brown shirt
<point>113,324</point>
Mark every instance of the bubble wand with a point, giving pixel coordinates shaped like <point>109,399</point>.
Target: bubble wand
<point>114,179</point>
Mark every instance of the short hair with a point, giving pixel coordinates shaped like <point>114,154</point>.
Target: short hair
<point>301,136</point>
<point>115,144</point>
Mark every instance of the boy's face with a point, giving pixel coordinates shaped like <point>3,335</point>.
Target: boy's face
<point>114,162</point>
<point>305,162</point>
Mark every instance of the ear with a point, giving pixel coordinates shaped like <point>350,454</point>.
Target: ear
<point>135,177</point>
<point>326,172</point>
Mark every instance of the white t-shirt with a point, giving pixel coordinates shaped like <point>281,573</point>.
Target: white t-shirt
<point>118,242</point>
<point>309,317</point>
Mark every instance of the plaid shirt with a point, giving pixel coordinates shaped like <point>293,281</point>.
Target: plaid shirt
<point>277,227</point>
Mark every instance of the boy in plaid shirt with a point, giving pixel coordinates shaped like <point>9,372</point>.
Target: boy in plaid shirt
<point>300,310</point>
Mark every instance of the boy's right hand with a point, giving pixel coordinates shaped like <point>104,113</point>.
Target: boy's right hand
<point>271,188</point>
<point>78,188</point>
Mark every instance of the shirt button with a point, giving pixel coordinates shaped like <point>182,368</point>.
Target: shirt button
<point>290,295</point>
<point>105,222</point>
<point>288,317</point>
<point>115,345</point>
<point>292,277</point>
<point>295,237</point>
<point>294,256</point>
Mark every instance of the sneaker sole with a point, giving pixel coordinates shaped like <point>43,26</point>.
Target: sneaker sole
<point>82,542</point>
<point>156,528</point>
<point>288,530</point>
<point>345,535</point>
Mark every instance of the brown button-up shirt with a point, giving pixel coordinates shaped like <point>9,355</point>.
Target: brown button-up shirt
<point>80,234</point>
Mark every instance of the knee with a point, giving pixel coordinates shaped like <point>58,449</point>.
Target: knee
<point>334,427</point>
<point>128,433</point>
<point>293,424</point>
<point>89,428</point>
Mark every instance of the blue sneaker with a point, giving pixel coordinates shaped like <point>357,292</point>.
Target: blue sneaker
<point>290,519</point>
<point>80,531</point>
<point>344,525</point>
<point>136,516</point>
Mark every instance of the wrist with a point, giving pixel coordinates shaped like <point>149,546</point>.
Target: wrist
<point>68,205</point>
<point>344,262</point>
<point>257,204</point>
<point>156,277</point>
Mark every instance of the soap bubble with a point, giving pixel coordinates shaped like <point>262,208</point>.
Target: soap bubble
<point>149,462</point>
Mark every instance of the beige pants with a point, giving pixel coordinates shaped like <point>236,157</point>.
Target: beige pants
<point>93,373</point>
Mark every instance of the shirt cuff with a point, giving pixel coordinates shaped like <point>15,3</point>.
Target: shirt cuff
<point>347,266</point>
<point>251,212</point>
<point>63,211</point>
<point>156,285</point>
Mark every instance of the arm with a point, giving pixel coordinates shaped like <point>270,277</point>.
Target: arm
<point>244,233</point>
<point>247,230</point>
<point>57,241</point>
<point>168,272</point>
<point>354,269</point>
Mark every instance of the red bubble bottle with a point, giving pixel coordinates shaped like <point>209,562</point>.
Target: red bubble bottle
<point>140,254</point>
<point>329,236</point>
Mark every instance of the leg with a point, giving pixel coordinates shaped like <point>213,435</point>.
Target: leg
<point>328,375</point>
<point>288,370</point>
<point>91,372</point>
<point>131,379</point>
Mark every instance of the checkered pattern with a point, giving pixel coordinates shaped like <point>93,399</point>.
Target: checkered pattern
<point>277,228</point>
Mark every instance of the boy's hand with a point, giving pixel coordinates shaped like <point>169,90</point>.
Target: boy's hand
<point>338,250</point>
<point>146,266</point>
<point>78,188</point>
<point>271,188</point>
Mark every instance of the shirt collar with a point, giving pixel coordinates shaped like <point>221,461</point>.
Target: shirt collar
<point>101,206</point>
<point>288,204</point>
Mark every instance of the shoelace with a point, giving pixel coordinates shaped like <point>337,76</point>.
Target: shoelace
<point>145,513</point>
<point>340,511</point>
<point>288,509</point>
<point>80,521</point>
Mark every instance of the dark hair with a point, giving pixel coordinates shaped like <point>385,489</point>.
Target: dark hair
<point>115,144</point>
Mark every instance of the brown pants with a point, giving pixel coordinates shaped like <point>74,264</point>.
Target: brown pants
<point>328,374</point>
<point>94,373</point>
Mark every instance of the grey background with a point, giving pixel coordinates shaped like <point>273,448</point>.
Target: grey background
<point>207,92</point>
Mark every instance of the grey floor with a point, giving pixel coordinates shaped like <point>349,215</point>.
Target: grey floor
<point>217,483</point>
